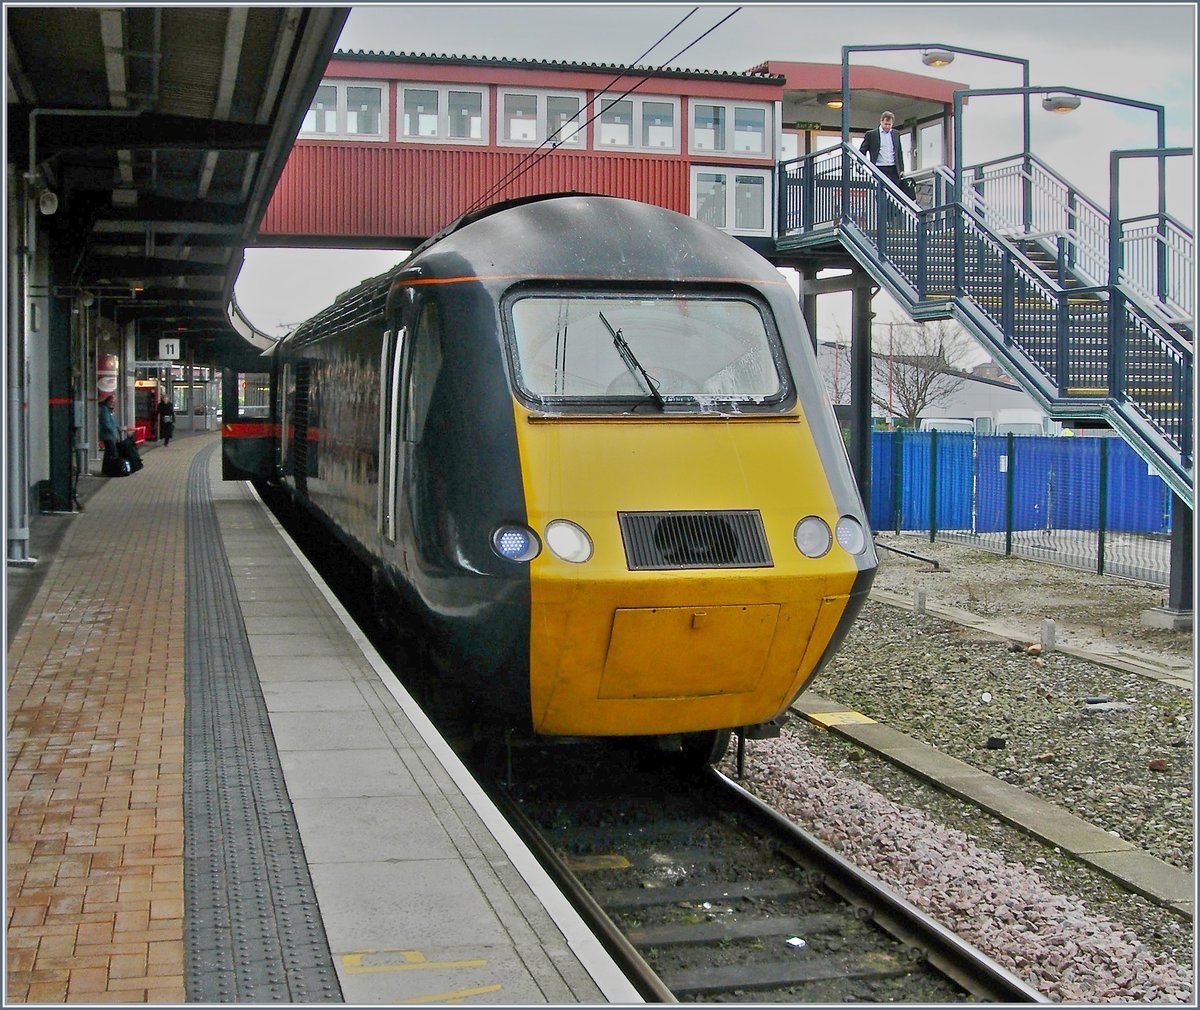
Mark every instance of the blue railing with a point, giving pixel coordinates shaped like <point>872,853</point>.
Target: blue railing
<point>1085,351</point>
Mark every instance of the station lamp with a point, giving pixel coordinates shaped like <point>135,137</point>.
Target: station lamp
<point>833,100</point>
<point>937,57</point>
<point>1060,103</point>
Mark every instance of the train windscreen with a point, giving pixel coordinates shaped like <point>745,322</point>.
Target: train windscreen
<point>623,350</point>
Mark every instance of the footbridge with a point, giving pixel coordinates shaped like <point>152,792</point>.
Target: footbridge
<point>1093,316</point>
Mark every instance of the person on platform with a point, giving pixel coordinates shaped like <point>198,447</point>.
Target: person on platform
<point>108,430</point>
<point>166,420</point>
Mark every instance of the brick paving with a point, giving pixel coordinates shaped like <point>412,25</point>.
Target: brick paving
<point>95,751</point>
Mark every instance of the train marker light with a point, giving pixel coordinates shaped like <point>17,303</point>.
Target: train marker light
<point>568,541</point>
<point>851,536</point>
<point>515,543</point>
<point>812,537</point>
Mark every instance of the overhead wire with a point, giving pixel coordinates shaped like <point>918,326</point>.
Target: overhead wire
<point>548,146</point>
<point>524,164</point>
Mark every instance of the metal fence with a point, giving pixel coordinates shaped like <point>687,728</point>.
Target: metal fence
<point>1089,503</point>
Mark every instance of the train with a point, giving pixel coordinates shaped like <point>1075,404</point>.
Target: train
<point>582,446</point>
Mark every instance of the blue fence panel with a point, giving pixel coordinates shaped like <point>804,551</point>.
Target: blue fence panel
<point>1138,501</point>
<point>1032,465</point>
<point>1056,484</point>
<point>991,479</point>
<point>882,507</point>
<point>955,480</point>
<point>1074,484</point>
<point>914,481</point>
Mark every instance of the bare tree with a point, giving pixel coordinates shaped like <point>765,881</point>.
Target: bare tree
<point>916,365</point>
<point>833,360</point>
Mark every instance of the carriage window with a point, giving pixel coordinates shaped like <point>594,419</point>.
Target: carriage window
<point>285,398</point>
<point>676,352</point>
<point>426,360</point>
<point>254,394</point>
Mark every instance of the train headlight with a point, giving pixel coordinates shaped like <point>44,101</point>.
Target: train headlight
<point>515,543</point>
<point>851,537</point>
<point>568,541</point>
<point>812,536</point>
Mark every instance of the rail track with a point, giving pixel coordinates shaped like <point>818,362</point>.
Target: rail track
<point>698,889</point>
<point>706,894</point>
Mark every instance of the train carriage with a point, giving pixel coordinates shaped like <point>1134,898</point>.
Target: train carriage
<point>583,445</point>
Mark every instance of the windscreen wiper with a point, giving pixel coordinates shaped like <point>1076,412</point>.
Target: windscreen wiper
<point>632,363</point>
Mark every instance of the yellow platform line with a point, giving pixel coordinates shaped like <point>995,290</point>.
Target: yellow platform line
<point>453,996</point>
<point>844,718</point>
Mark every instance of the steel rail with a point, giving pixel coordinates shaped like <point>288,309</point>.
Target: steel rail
<point>639,973</point>
<point>951,955</point>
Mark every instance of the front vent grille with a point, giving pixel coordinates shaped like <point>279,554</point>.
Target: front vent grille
<point>669,540</point>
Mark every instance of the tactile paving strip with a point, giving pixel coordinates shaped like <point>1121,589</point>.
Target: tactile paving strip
<point>252,928</point>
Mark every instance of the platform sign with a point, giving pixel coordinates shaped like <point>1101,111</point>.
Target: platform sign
<point>168,348</point>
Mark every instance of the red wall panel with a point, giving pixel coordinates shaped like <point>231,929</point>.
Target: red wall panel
<point>330,190</point>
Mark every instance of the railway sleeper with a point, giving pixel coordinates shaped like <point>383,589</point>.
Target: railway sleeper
<point>683,934</point>
<point>780,974</point>
<point>626,899</point>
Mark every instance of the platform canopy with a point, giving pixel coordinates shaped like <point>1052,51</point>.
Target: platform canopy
<point>150,140</point>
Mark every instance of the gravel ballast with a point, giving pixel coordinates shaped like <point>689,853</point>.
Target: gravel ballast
<point>1112,747</point>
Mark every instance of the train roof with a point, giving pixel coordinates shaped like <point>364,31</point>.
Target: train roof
<point>579,236</point>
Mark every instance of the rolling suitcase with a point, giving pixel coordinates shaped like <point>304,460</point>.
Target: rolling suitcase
<point>116,465</point>
<point>127,454</point>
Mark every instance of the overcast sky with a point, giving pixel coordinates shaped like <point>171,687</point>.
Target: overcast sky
<point>1140,51</point>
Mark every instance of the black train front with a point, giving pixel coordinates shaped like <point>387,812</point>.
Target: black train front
<point>583,445</point>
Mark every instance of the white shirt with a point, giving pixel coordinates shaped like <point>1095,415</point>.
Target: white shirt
<point>887,150</point>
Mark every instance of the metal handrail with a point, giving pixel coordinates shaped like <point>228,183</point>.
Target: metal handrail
<point>1145,243</point>
<point>1157,263</point>
<point>1085,350</point>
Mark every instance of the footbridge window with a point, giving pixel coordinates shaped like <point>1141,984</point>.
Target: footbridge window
<point>443,114</point>
<point>533,117</point>
<point>346,109</point>
<point>638,123</point>
<point>731,128</point>
<point>734,200</point>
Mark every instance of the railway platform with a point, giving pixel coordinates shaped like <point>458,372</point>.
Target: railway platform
<point>218,793</point>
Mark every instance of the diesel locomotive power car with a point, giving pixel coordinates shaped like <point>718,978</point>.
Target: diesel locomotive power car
<point>583,446</point>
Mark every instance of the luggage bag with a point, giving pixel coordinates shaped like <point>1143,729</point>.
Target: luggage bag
<point>127,454</point>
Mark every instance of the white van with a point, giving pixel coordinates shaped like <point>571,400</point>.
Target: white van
<point>947,424</point>
<point>1025,422</point>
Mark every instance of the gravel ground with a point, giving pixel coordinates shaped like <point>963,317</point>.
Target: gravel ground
<point>1124,763</point>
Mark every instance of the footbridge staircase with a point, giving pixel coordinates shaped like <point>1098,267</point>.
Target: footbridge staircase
<point>1021,259</point>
